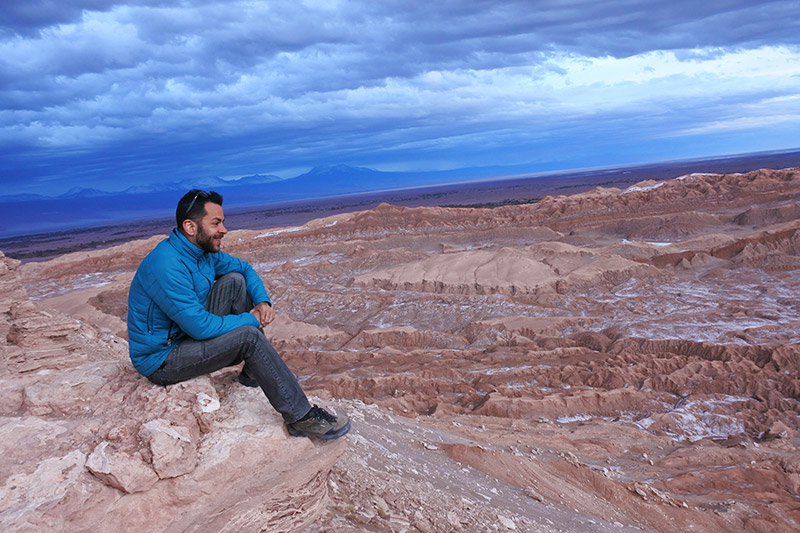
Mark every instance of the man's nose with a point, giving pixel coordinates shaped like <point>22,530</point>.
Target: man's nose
<point>221,229</point>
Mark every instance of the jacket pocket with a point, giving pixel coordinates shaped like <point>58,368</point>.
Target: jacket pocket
<point>150,310</point>
<point>171,337</point>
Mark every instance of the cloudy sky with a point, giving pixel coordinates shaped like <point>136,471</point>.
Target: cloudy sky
<point>108,94</point>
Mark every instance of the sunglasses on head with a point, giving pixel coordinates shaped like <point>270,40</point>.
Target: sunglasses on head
<point>203,194</point>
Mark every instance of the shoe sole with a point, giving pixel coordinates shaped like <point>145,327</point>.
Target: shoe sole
<point>324,436</point>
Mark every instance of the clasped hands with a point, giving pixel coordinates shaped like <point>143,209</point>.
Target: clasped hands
<point>264,313</point>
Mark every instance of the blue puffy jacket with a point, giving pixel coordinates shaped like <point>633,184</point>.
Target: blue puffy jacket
<point>167,299</point>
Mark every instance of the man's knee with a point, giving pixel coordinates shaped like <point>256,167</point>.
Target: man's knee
<point>235,279</point>
<point>250,335</point>
<point>229,295</point>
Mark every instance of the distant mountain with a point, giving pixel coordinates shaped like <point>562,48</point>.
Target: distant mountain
<point>24,197</point>
<point>211,183</point>
<point>32,213</point>
<point>255,179</point>
<point>145,189</point>
<point>339,170</point>
<point>257,189</point>
<point>261,189</point>
<point>344,179</point>
<point>175,186</point>
<point>78,192</point>
<point>341,179</point>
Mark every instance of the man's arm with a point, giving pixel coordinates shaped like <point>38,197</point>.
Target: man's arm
<point>173,291</point>
<point>263,310</point>
<point>225,263</point>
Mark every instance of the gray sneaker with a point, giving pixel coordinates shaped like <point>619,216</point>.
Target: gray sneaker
<point>320,424</point>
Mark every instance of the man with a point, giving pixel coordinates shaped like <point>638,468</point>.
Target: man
<point>193,309</point>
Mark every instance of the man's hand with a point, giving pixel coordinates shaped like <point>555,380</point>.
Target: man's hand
<point>264,313</point>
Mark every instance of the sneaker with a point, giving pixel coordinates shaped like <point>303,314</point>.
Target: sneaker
<point>246,380</point>
<point>320,424</point>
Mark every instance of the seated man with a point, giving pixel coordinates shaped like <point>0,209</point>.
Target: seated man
<point>193,309</point>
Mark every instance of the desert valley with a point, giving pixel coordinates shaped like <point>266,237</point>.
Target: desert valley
<point>623,359</point>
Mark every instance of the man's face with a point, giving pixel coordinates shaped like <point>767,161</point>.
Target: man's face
<point>211,229</point>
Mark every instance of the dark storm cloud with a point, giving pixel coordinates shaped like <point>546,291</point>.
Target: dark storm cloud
<point>225,87</point>
<point>393,38</point>
<point>26,17</point>
<point>591,28</point>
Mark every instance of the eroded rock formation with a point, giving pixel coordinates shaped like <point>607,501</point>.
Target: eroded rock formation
<point>612,360</point>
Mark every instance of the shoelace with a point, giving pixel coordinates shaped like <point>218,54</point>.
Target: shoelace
<point>323,414</point>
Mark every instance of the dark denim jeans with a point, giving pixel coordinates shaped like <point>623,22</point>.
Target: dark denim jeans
<point>192,358</point>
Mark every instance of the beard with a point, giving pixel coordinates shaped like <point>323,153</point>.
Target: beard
<point>206,241</point>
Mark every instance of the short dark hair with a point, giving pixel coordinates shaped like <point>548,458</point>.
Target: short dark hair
<point>192,205</point>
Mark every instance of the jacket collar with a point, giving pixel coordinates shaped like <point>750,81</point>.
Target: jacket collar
<point>184,246</point>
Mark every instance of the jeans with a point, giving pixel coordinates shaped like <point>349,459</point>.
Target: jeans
<point>192,358</point>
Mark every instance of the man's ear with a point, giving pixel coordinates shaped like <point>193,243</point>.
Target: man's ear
<point>189,227</point>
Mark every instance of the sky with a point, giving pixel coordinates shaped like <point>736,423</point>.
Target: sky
<point>107,94</point>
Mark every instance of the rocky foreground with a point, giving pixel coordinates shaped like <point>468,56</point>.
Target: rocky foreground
<point>617,360</point>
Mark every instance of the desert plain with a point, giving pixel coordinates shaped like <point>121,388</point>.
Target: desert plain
<point>621,359</point>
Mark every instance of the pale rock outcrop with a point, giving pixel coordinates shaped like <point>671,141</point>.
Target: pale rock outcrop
<point>405,336</point>
<point>128,473</point>
<point>516,330</point>
<point>172,450</point>
<point>90,445</point>
<point>543,268</point>
<point>284,332</point>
